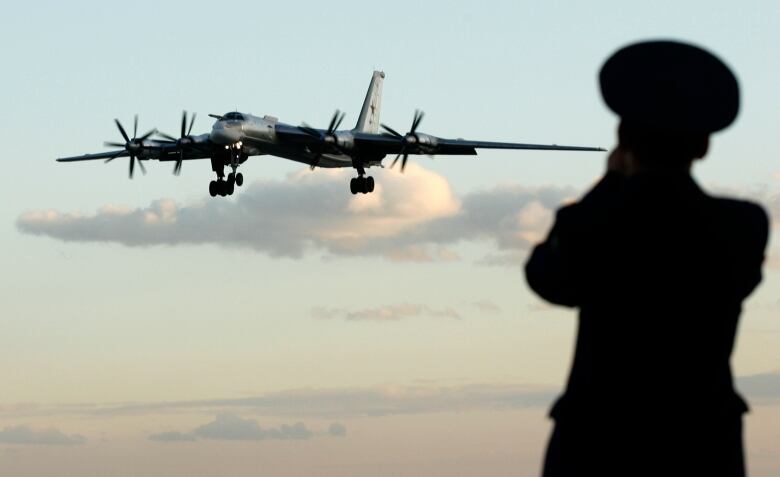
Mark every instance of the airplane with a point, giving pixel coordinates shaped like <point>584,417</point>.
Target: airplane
<point>236,136</point>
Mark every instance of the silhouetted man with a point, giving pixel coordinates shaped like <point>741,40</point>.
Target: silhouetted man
<point>659,270</point>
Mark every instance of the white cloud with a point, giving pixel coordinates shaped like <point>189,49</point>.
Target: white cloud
<point>233,428</point>
<point>486,306</point>
<point>385,313</point>
<point>229,427</point>
<point>351,402</point>
<point>764,388</point>
<point>410,217</point>
<point>338,403</point>
<point>337,430</point>
<point>173,437</point>
<point>27,435</point>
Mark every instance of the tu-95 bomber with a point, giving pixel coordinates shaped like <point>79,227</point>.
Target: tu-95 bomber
<point>236,136</point>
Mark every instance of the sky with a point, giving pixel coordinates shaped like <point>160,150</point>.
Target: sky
<point>295,329</point>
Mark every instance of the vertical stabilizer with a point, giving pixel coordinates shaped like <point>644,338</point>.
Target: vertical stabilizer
<point>369,114</point>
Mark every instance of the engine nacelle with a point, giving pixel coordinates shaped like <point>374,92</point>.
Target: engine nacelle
<point>345,140</point>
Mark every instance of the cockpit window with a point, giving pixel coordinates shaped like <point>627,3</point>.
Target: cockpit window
<point>234,116</point>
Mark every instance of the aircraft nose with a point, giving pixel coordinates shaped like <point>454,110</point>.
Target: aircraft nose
<point>225,135</point>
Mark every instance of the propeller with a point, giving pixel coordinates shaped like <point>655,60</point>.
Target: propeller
<point>134,146</point>
<point>409,139</point>
<point>184,139</point>
<point>329,137</point>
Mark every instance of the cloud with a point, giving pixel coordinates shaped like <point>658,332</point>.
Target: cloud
<point>503,259</point>
<point>26,435</point>
<point>337,403</point>
<point>486,306</point>
<point>539,306</point>
<point>172,437</point>
<point>233,428</point>
<point>411,217</point>
<point>229,427</point>
<point>384,313</point>
<point>351,402</point>
<point>337,430</point>
<point>772,203</point>
<point>763,388</point>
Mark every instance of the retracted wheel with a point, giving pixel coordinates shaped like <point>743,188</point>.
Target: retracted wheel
<point>239,179</point>
<point>213,188</point>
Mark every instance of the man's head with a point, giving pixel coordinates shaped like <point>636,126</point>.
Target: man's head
<point>670,97</point>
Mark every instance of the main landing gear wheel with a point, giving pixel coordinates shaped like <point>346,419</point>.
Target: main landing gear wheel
<point>221,188</point>
<point>239,179</point>
<point>364,185</point>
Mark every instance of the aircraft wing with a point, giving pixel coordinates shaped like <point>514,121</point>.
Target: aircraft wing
<point>169,151</point>
<point>161,151</point>
<point>94,157</point>
<point>427,144</point>
<point>455,146</point>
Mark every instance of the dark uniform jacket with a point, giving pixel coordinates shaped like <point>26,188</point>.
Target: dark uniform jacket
<point>659,270</point>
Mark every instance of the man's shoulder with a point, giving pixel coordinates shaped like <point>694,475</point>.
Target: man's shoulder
<point>739,212</point>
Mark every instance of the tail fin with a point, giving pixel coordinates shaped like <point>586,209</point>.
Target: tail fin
<point>369,114</point>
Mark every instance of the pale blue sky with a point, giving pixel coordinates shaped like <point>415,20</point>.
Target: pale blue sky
<point>104,323</point>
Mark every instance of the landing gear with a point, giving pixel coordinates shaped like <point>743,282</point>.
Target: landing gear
<point>225,186</point>
<point>361,184</point>
<point>221,187</point>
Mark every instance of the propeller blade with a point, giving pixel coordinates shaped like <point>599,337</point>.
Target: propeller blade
<point>192,123</point>
<point>165,136</point>
<point>183,123</point>
<point>132,165</point>
<point>338,123</point>
<point>403,162</point>
<point>113,144</point>
<point>177,167</point>
<point>143,169</point>
<point>418,115</point>
<point>146,136</point>
<point>391,130</point>
<point>315,162</point>
<point>333,121</point>
<point>135,127</point>
<point>122,130</point>
<point>113,157</point>
<point>403,150</point>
